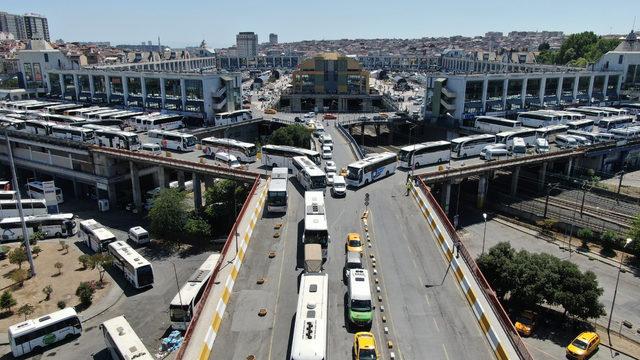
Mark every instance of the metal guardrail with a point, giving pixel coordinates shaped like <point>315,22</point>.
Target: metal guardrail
<point>482,282</point>
<point>365,122</point>
<point>352,142</point>
<point>212,280</point>
<point>219,171</point>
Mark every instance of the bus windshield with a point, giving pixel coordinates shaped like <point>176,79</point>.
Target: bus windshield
<point>145,275</point>
<point>251,151</point>
<point>316,237</point>
<point>190,141</point>
<point>455,147</point>
<point>361,305</point>
<point>318,182</point>
<point>404,155</point>
<point>354,173</point>
<point>277,198</point>
<point>179,313</point>
<point>133,140</point>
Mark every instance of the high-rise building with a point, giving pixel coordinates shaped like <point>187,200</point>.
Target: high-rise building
<point>36,27</point>
<point>247,44</point>
<point>273,39</point>
<point>13,24</point>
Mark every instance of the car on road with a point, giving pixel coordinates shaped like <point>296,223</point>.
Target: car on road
<point>353,260</point>
<point>526,322</point>
<point>541,145</point>
<point>330,166</point>
<point>326,152</point>
<point>484,150</point>
<point>583,345</point>
<point>153,149</point>
<point>329,117</point>
<point>330,178</point>
<point>354,243</point>
<point>270,111</point>
<point>339,186</point>
<point>364,346</point>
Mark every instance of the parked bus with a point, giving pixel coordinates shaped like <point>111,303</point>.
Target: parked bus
<point>550,132</point>
<point>95,235</point>
<point>30,207</point>
<point>611,110</point>
<point>73,133</point>
<point>528,135</point>
<point>172,140</point>
<point>156,121</point>
<point>227,118</point>
<point>125,115</point>
<point>428,153</point>
<point>184,303</point>
<point>494,125</point>
<point>310,329</point>
<point>584,125</point>
<point>277,194</point>
<point>626,134</point>
<point>61,108</point>
<point>308,174</point>
<point>592,113</point>
<point>592,137</point>
<point>61,119</point>
<point>81,111</point>
<point>114,138</point>
<point>135,268</point>
<point>281,155</point>
<point>35,190</point>
<point>12,124</point>
<point>539,118</point>
<point>96,114</point>
<point>371,168</point>
<point>7,194</point>
<point>632,109</point>
<point>51,225</point>
<point>39,127</point>
<point>315,221</point>
<point>243,151</point>
<point>122,342</point>
<point>615,122</point>
<point>463,147</point>
<point>35,335</point>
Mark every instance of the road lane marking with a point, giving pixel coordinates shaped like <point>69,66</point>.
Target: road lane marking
<point>275,308</point>
<point>426,297</point>
<point>436,324</point>
<point>445,351</point>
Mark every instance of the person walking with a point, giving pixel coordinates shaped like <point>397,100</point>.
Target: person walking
<point>408,187</point>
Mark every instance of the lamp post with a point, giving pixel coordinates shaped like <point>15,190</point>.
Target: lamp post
<point>484,236</point>
<point>615,291</point>
<point>546,202</point>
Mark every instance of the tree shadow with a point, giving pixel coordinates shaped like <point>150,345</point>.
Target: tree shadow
<point>558,328</point>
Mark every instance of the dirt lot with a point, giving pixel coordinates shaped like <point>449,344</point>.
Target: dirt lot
<point>64,285</point>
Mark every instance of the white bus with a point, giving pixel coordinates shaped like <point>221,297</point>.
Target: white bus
<point>13,124</point>
<point>584,125</point>
<point>632,109</point>
<point>463,147</point>
<point>591,136</point>
<point>184,303</point>
<point>310,330</point>
<point>114,138</point>
<point>315,221</point>
<point>615,122</point>
<point>35,335</point>
<point>277,194</point>
<point>156,121</point>
<point>81,111</point>
<point>243,151</point>
<point>550,132</point>
<point>371,168</point>
<point>38,127</point>
<point>610,110</point>
<point>427,153</point>
<point>73,133</point>
<point>494,125</point>
<point>308,174</point>
<point>30,207</point>
<point>95,235</point>
<point>539,118</point>
<point>61,119</point>
<point>281,155</point>
<point>7,194</point>
<point>35,190</point>
<point>227,118</point>
<point>626,134</point>
<point>122,342</point>
<point>592,113</point>
<point>136,269</point>
<point>529,136</point>
<point>172,140</point>
<point>52,225</point>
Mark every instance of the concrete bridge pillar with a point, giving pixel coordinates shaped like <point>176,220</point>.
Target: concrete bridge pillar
<point>208,181</point>
<point>377,130</point>
<point>482,191</point>
<point>542,173</point>
<point>362,134</point>
<point>162,177</point>
<point>446,196</point>
<point>112,195</point>
<point>514,180</point>
<point>197,192</point>
<point>135,185</point>
<point>567,169</point>
<point>180,179</point>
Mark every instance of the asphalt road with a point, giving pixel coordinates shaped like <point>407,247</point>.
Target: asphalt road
<point>425,310</point>
<point>547,344</point>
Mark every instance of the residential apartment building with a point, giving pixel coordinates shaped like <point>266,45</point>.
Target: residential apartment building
<point>25,27</point>
<point>247,44</point>
<point>13,24</point>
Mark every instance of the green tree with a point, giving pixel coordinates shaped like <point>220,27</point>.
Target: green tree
<point>608,240</point>
<point>26,310</point>
<point>168,214</point>
<point>19,276</point>
<point>495,265</point>
<point>85,293</point>
<point>18,256</point>
<point>7,301</point>
<point>58,265</point>
<point>197,230</point>
<point>544,46</point>
<point>224,200</point>
<point>37,236</point>
<point>47,290</point>
<point>84,260</point>
<point>292,135</point>
<point>578,292</point>
<point>634,234</point>
<point>586,235</point>
<point>36,250</point>
<point>101,261</point>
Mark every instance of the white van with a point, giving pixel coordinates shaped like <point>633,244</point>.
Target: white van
<point>153,149</point>
<point>566,142</point>
<point>582,141</point>
<point>326,153</point>
<point>228,159</point>
<point>319,130</point>
<point>495,154</point>
<point>359,303</point>
<point>339,186</point>
<point>139,235</point>
<point>484,150</point>
<point>542,145</point>
<point>519,147</point>
<point>352,261</point>
<point>326,140</point>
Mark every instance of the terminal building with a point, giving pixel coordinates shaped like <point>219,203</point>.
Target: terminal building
<point>330,82</point>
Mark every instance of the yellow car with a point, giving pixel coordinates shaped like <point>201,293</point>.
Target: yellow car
<point>526,322</point>
<point>343,172</point>
<point>270,111</point>
<point>354,244</point>
<point>364,346</point>
<point>583,345</point>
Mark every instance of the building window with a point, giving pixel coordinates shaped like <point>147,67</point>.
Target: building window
<point>620,59</point>
<point>46,57</point>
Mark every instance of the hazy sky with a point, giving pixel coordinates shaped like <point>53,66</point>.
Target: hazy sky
<point>187,22</point>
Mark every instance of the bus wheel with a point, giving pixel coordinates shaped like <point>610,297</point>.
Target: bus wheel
<point>387,174</point>
<point>417,165</point>
<point>58,234</point>
<point>274,165</point>
<point>179,149</point>
<point>366,182</point>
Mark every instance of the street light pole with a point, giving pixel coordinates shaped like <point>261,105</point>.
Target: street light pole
<point>615,291</point>
<point>484,236</point>
<point>619,186</point>
<point>25,234</point>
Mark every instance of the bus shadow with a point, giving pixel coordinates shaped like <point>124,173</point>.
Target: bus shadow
<point>102,355</point>
<point>118,277</point>
<point>290,342</point>
<point>300,246</point>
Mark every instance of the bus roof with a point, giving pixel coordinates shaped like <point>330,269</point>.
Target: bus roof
<point>199,278</point>
<point>309,166</point>
<point>312,307</point>
<point>424,145</point>
<point>103,234</point>
<point>127,341</point>
<point>496,118</point>
<point>359,284</point>
<point>67,216</point>
<point>472,137</point>
<point>129,254</point>
<point>280,173</point>
<point>371,158</point>
<point>169,132</point>
<point>291,148</point>
<point>278,185</point>
<point>231,142</point>
<point>31,324</point>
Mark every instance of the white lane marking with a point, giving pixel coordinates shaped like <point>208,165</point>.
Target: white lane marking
<point>275,308</point>
<point>445,351</point>
<point>426,297</point>
<point>436,324</point>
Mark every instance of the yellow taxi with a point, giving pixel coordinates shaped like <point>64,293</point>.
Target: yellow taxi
<point>583,345</point>
<point>364,346</point>
<point>354,244</point>
<point>526,322</point>
<point>270,111</point>
<point>343,172</point>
